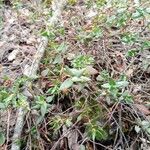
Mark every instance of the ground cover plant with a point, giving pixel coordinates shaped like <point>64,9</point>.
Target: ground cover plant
<point>91,89</point>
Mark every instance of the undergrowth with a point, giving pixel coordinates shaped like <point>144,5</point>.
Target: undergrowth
<point>86,79</point>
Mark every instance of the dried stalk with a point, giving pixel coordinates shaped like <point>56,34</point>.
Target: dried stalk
<point>57,6</point>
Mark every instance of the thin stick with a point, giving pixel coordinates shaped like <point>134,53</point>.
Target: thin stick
<point>8,125</point>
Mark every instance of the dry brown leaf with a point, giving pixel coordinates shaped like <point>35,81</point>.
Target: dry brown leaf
<point>28,49</point>
<point>136,89</point>
<point>32,40</point>
<point>90,70</point>
<point>72,140</point>
<point>142,108</point>
<point>89,146</point>
<point>129,72</point>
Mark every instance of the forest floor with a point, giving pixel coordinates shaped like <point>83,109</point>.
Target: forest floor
<point>92,87</point>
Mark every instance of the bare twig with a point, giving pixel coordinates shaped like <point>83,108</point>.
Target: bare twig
<point>8,125</point>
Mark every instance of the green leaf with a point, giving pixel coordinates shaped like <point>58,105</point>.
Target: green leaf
<point>3,94</point>
<point>81,79</point>
<point>122,84</point>
<point>99,78</point>
<point>137,129</point>
<point>82,61</point>
<point>8,99</point>
<point>43,108</point>
<point>146,44</point>
<point>48,34</point>
<point>2,138</point>
<point>79,118</point>
<point>96,132</point>
<point>148,130</point>
<point>139,13</point>
<point>96,32</point>
<point>93,134</point>
<point>21,97</point>
<point>45,72</point>
<point>145,124</point>
<point>106,86</point>
<point>39,119</point>
<point>126,97</point>
<point>147,10</point>
<point>131,53</point>
<point>62,47</point>
<point>58,59</point>
<point>82,147</point>
<point>45,33</point>
<point>85,79</point>
<point>49,99</point>
<point>2,106</point>
<point>68,122</point>
<point>66,84</point>
<point>75,72</point>
<point>136,15</point>
<point>112,82</point>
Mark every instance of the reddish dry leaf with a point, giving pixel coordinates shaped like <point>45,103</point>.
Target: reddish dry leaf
<point>89,146</point>
<point>142,109</point>
<point>120,61</point>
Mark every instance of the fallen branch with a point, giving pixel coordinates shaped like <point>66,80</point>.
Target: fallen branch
<point>57,6</point>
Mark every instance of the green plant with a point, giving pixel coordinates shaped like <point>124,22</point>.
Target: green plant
<point>55,89</point>
<point>79,73</point>
<point>96,132</point>
<point>82,61</point>
<point>145,45</point>
<point>47,2</point>
<point>57,122</point>
<point>103,76</point>
<point>14,97</point>
<point>140,12</point>
<point>76,76</point>
<point>100,3</point>
<point>143,125</point>
<point>119,19</point>
<point>17,4</point>
<point>116,90</point>
<point>48,33</point>
<point>92,115</point>
<point>5,99</point>
<point>87,36</point>
<point>72,2</point>
<point>132,53</point>
<point>2,138</point>
<point>129,38</point>
<point>43,105</point>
